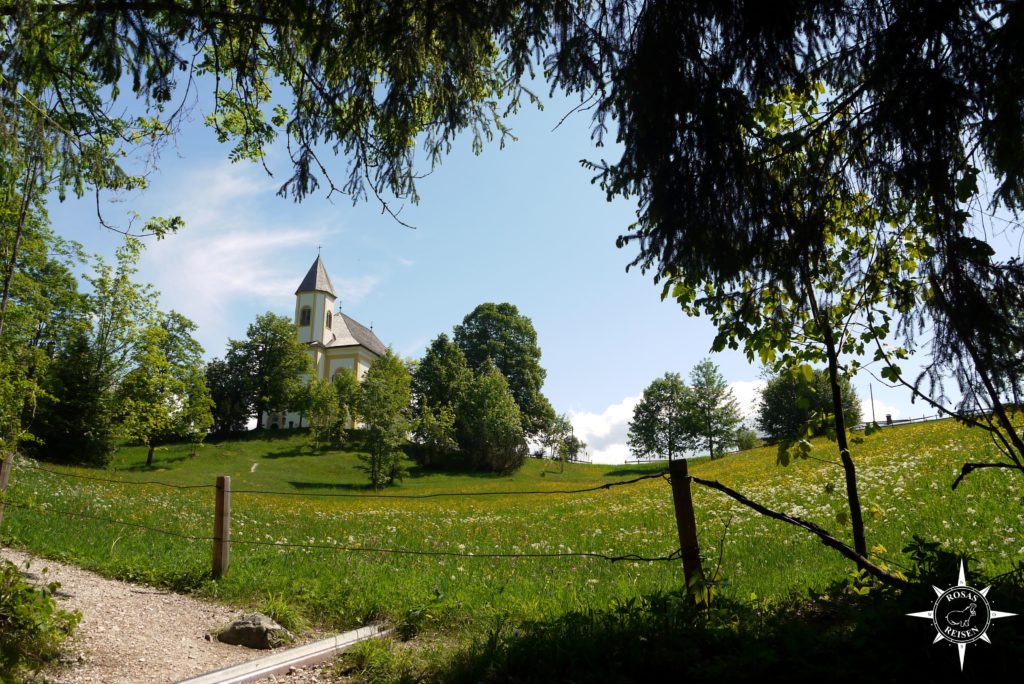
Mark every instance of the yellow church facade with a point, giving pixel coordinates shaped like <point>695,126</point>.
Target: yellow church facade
<point>334,340</point>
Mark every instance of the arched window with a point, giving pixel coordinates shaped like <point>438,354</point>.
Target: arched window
<point>328,320</point>
<point>305,315</point>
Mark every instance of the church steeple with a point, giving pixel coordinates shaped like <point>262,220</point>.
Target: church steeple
<point>316,279</point>
<point>314,306</point>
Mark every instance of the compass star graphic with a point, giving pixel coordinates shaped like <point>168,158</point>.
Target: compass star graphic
<point>961,615</point>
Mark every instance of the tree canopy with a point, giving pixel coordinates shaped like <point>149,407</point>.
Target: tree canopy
<point>714,411</point>
<point>498,334</point>
<point>793,404</point>
<point>661,425</point>
<point>274,361</point>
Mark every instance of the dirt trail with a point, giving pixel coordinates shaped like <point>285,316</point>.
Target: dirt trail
<point>133,634</point>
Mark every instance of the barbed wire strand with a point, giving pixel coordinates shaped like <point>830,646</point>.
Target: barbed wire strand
<point>115,481</point>
<point>352,495</point>
<point>100,518</point>
<point>358,495</point>
<point>354,549</point>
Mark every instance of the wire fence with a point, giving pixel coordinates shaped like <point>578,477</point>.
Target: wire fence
<point>47,509</point>
<point>354,495</point>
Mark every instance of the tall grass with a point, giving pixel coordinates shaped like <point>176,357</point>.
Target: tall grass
<point>905,475</point>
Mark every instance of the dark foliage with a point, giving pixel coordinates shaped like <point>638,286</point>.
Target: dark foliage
<point>74,424</point>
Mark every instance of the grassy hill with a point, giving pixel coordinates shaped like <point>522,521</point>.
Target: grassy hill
<point>905,474</point>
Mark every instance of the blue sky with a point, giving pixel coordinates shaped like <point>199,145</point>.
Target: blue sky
<point>521,224</point>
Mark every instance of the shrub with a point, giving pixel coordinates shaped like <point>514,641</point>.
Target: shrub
<point>32,628</point>
<point>747,439</point>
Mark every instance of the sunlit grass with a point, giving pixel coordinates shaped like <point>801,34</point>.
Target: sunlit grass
<point>904,472</point>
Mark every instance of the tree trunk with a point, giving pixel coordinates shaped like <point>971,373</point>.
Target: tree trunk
<point>839,420</point>
<point>149,455</point>
<point>26,200</point>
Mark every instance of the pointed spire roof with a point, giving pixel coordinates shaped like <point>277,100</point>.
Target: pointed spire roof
<point>316,279</point>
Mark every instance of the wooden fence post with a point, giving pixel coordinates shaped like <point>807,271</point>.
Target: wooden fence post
<point>686,523</point>
<point>222,527</point>
<point>5,478</point>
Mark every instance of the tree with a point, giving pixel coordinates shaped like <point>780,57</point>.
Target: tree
<point>498,332</point>
<point>383,403</point>
<point>228,382</point>
<point>42,313</point>
<point>708,203</point>
<point>442,376</point>
<point>346,386</point>
<point>193,414</point>
<point>164,397</point>
<point>435,433</point>
<point>149,393</point>
<point>439,385</point>
<point>714,411</point>
<point>275,362</point>
<point>556,434</point>
<point>75,422</point>
<point>324,411</point>
<point>661,425</point>
<point>490,431</point>
<point>793,404</point>
<point>75,419</point>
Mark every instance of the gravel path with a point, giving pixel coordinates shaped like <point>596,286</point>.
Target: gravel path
<point>134,634</point>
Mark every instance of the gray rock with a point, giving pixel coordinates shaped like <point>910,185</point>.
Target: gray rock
<point>254,630</point>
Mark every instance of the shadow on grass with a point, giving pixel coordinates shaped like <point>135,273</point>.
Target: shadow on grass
<point>264,435</point>
<point>661,638</point>
<point>640,469</point>
<point>301,450</point>
<point>837,636</point>
<point>158,464</point>
<point>336,486</point>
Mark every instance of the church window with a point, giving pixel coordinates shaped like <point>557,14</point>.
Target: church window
<point>304,315</point>
<point>328,320</point>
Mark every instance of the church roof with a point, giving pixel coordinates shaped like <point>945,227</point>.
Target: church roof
<point>317,280</point>
<point>348,332</point>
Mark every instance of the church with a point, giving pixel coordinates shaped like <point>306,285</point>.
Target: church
<point>334,341</point>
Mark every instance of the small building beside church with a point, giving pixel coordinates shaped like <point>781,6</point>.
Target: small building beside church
<point>333,339</point>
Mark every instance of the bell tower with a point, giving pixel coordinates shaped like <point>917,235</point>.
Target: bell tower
<point>314,306</point>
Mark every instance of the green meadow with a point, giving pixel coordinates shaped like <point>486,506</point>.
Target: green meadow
<point>905,474</point>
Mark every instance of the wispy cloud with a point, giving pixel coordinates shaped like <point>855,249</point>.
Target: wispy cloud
<point>236,247</point>
<point>354,290</point>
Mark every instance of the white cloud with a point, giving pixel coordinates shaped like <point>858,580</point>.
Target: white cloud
<point>881,410</point>
<point>605,432</point>
<point>747,393</point>
<point>406,262</point>
<point>597,427</point>
<point>612,454</point>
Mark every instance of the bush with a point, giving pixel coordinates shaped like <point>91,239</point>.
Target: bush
<point>32,629</point>
<point>747,439</point>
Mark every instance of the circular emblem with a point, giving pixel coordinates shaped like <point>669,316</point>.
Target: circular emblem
<point>961,615</point>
